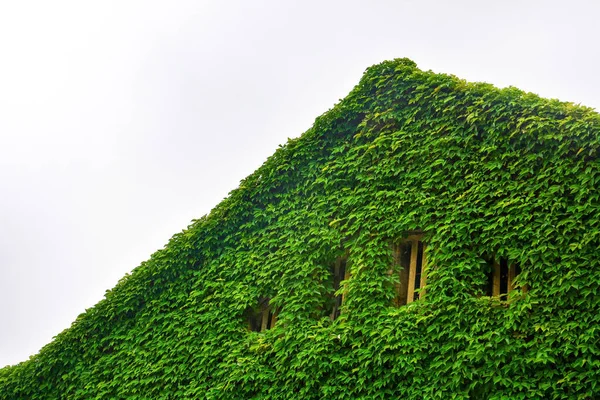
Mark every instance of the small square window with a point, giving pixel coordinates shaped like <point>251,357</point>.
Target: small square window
<point>263,317</point>
<point>501,277</point>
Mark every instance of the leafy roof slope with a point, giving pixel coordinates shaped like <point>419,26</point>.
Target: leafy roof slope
<point>478,169</point>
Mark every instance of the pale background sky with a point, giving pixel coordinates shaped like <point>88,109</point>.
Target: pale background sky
<point>121,121</point>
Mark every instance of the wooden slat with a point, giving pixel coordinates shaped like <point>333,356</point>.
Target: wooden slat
<point>496,279</point>
<point>265,319</point>
<point>411,238</point>
<point>404,270</point>
<point>511,277</point>
<point>423,274</point>
<point>412,272</point>
<point>273,319</point>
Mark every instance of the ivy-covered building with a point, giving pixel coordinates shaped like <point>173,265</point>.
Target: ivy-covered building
<point>427,238</point>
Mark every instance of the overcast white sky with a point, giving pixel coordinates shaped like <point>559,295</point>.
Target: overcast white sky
<point>121,121</point>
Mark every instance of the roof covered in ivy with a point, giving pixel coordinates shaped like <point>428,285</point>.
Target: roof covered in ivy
<point>478,170</point>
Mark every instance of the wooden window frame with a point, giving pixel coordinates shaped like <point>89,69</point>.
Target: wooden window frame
<point>340,265</point>
<point>269,318</point>
<point>512,270</point>
<point>406,289</point>
<point>264,318</point>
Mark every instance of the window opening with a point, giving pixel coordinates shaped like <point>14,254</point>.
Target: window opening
<point>262,317</point>
<point>501,277</point>
<point>418,269</point>
<point>410,256</point>
<point>340,272</point>
<point>269,317</point>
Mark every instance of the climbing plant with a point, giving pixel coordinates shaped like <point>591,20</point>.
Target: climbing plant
<point>477,170</point>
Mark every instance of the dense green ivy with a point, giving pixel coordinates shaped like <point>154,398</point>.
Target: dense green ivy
<point>479,170</point>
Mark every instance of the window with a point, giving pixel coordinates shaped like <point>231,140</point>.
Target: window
<point>409,255</point>
<point>501,277</point>
<point>340,272</point>
<point>263,317</point>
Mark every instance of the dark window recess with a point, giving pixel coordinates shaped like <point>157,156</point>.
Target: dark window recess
<point>339,272</point>
<point>261,317</point>
<point>419,270</point>
<point>501,276</point>
<point>254,321</point>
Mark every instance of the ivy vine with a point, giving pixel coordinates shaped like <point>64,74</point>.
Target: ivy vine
<point>478,170</point>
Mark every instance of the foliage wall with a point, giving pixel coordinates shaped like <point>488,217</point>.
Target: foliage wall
<point>479,170</point>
